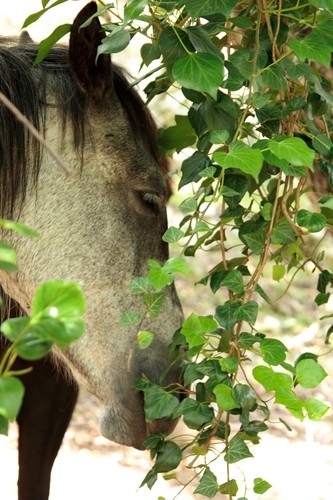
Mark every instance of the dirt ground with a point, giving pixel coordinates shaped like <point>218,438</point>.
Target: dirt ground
<point>299,464</point>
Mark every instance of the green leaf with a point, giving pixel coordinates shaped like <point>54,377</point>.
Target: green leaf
<point>154,303</point>
<point>229,365</point>
<point>158,276</point>
<point>192,167</point>
<point>31,347</point>
<point>313,221</point>
<point>229,488</point>
<point>322,4</point>
<point>158,402</point>
<point>195,414</point>
<point>4,425</point>
<point>234,281</point>
<point>237,450</point>
<point>278,272</point>
<point>260,486</point>
<point>248,312</point>
<point>224,398</point>
<point>133,9</point>
<point>34,17</point>
<point>13,327</point>
<point>208,485</point>
<point>145,338</point>
<point>315,409</point>
<point>169,458</point>
<point>19,228</point>
<point>283,233</point>
<point>290,400</point>
<point>189,205</point>
<point>58,299</point>
<point>199,71</point>
<point>309,373</point>
<point>312,47</point>
<point>177,137</point>
<point>139,284</point>
<point>7,257</point>
<point>245,396</point>
<point>242,157</point>
<point>274,77</point>
<point>130,318</point>
<point>196,327</point>
<point>46,45</point>
<point>270,379</point>
<point>226,314</point>
<point>294,150</point>
<point>203,8</point>
<point>11,396</point>
<point>115,42</point>
<point>176,265</point>
<point>273,351</point>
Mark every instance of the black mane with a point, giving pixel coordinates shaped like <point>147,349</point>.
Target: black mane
<point>29,88</point>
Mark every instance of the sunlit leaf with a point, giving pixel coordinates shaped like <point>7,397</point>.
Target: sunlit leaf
<point>11,396</point>
<point>199,71</point>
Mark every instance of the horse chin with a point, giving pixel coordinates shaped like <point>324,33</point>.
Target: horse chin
<point>119,430</point>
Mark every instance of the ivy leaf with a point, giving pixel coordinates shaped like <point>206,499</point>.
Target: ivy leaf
<point>270,379</point>
<point>283,233</point>
<point>158,402</point>
<point>7,257</point>
<point>234,281</point>
<point>260,486</point>
<point>312,47</point>
<point>130,318</point>
<point>139,284</point>
<point>242,157</point>
<point>153,302</point>
<point>145,338</point>
<point>58,299</point>
<point>196,327</point>
<point>294,150</point>
<point>133,9</point>
<point>203,8</point>
<point>229,488</point>
<point>192,167</point>
<point>172,234</point>
<point>208,485</point>
<point>115,42</point>
<point>273,351</point>
<point>315,409</point>
<point>273,77</point>
<point>224,398</point>
<point>309,373</point>
<point>195,414</point>
<point>313,221</point>
<point>176,265</point>
<point>226,314</point>
<point>46,45</point>
<point>199,71</point>
<point>158,276</point>
<point>169,458</point>
<point>248,312</point>
<point>11,396</point>
<point>237,450</point>
<point>19,228</point>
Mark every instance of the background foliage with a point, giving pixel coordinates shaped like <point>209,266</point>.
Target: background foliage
<point>254,82</point>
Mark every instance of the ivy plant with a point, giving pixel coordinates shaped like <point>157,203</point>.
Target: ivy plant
<point>254,125</point>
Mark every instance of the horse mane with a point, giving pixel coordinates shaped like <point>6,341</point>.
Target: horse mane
<point>29,87</point>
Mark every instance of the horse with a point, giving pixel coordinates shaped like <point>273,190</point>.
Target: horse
<point>99,223</point>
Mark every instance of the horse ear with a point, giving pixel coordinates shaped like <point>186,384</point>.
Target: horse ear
<point>93,76</point>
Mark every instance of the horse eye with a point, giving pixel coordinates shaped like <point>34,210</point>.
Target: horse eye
<point>152,202</point>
